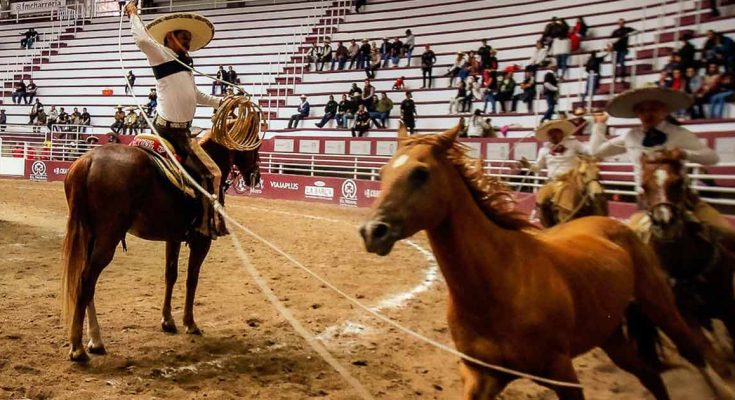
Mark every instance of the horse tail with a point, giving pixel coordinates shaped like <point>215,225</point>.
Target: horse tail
<point>77,242</point>
<point>645,334</point>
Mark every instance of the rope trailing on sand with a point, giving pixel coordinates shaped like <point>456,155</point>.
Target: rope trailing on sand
<point>241,133</point>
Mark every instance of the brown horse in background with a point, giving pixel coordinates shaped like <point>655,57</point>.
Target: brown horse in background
<point>115,189</point>
<point>696,255</point>
<point>522,298</point>
<point>581,194</point>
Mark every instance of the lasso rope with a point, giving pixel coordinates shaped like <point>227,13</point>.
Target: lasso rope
<point>242,132</point>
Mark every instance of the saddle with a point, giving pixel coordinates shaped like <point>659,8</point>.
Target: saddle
<point>155,147</point>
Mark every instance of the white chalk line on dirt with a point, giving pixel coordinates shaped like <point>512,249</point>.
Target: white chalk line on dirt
<point>431,275</point>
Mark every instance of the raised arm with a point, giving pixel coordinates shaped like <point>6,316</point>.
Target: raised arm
<point>599,145</point>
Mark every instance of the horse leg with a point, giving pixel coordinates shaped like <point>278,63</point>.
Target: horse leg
<point>95,345</point>
<point>172,271</point>
<point>199,247</point>
<point>479,385</point>
<point>101,255</point>
<point>561,369</point>
<point>624,355</point>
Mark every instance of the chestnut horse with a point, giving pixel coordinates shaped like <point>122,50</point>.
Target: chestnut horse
<point>115,189</point>
<point>580,195</point>
<point>697,256</point>
<point>526,299</point>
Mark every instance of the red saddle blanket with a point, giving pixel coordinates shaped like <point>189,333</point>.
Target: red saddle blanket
<point>154,144</point>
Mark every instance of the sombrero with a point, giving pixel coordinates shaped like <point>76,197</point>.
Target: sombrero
<point>622,106</point>
<point>200,28</point>
<point>542,132</point>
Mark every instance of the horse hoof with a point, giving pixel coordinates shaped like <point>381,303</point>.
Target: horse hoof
<point>79,356</point>
<point>168,327</point>
<point>193,330</point>
<point>98,349</point>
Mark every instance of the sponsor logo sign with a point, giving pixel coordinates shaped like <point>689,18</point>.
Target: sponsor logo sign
<point>284,185</point>
<point>349,193</point>
<point>319,190</point>
<point>371,193</point>
<point>35,7</point>
<point>38,171</point>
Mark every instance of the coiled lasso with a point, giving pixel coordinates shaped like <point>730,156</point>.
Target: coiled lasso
<point>243,132</point>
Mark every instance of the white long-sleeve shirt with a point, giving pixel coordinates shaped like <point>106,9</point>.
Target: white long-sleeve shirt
<point>178,95</point>
<point>632,144</point>
<point>559,163</point>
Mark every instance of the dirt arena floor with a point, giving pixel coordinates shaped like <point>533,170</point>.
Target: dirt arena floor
<point>248,351</point>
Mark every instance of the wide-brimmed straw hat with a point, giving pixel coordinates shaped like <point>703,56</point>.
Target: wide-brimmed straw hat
<point>623,105</point>
<point>202,31</point>
<point>542,132</point>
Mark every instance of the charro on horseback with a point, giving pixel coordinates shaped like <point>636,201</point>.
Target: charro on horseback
<point>166,43</point>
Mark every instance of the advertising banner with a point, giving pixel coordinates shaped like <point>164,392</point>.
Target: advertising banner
<point>46,171</point>
<point>36,7</point>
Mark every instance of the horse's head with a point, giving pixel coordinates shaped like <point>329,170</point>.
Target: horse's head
<point>665,189</point>
<point>416,188</point>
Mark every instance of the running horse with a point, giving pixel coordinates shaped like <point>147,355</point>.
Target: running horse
<point>115,189</point>
<point>699,258</point>
<point>523,298</point>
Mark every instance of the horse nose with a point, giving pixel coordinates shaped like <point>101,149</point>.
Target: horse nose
<point>662,215</point>
<point>374,231</point>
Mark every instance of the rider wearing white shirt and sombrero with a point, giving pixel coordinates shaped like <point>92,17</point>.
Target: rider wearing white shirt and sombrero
<point>653,105</point>
<point>166,42</point>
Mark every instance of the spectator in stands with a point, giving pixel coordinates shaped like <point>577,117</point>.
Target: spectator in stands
<point>29,37</point>
<point>706,90</point>
<point>484,53</point>
<point>351,107</point>
<point>368,95</point>
<point>153,100</point>
<point>678,81</point>
<point>592,67</point>
<point>231,75</point>
<point>359,4</point>
<point>142,123</point>
<point>52,117</point>
<point>31,90</point>
<point>341,55</point>
<point>131,82</point>
<point>408,113</point>
<point>130,124</point>
<point>620,47</point>
<point>396,51</point>
<point>528,94</point>
<point>86,119</point>
<point>222,76</point>
<point>490,86</point>
<point>506,88</point>
<point>325,55</point>
<point>400,83</point>
<point>694,81</point>
<point>382,111</point>
<point>354,54</point>
<point>362,122</point>
<point>473,64</point>
<point>720,49</point>
<point>302,112</point>
<point>551,93</point>
<point>20,92</point>
<point>674,63</point>
<point>342,109</point>
<point>385,51</point>
<point>549,32</point>
<point>456,68</point>
<point>41,120</point>
<point>477,126</point>
<point>75,119</point>
<point>408,46</point>
<point>119,123</point>
<point>428,59</point>
<point>37,106</point>
<point>722,93</point>
<point>63,120</point>
<point>330,111</point>
<point>3,120</point>
<point>363,55</point>
<point>664,79</point>
<point>539,59</point>
<point>561,47</point>
<point>355,94</point>
<point>687,51</point>
<point>580,27</point>
<point>314,55</point>
<point>456,103</point>
<point>474,92</point>
<point>373,64</point>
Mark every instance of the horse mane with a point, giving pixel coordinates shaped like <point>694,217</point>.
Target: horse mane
<point>491,194</point>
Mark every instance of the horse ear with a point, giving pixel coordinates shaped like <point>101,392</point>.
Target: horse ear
<point>454,132</point>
